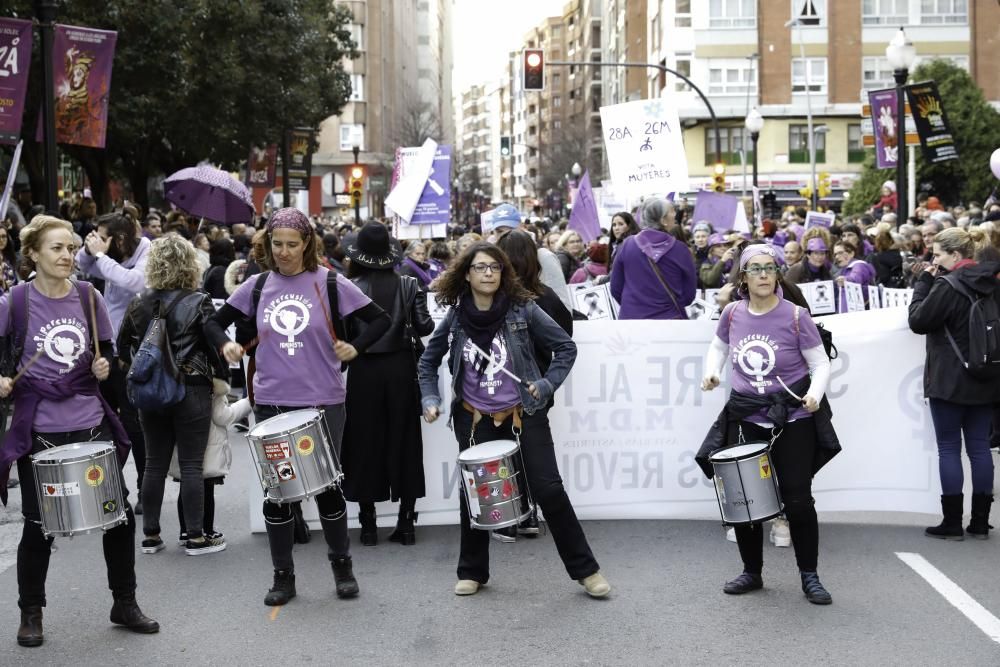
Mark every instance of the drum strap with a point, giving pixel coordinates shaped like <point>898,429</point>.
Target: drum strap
<point>498,417</point>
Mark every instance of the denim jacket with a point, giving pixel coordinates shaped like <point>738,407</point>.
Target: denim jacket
<point>525,323</point>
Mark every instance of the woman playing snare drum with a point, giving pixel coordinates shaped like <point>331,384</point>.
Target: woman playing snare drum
<point>773,341</point>
<point>492,311</point>
<point>298,365</point>
<point>57,402</point>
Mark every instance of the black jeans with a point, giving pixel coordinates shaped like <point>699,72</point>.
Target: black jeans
<point>186,426</point>
<point>331,504</point>
<point>792,458</point>
<point>208,518</point>
<point>542,474</point>
<point>113,390</point>
<point>34,550</point>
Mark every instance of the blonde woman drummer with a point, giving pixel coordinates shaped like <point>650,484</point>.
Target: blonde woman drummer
<point>779,372</point>
<point>57,402</point>
<point>298,365</point>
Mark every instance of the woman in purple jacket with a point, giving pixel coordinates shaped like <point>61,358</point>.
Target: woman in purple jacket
<point>654,276</point>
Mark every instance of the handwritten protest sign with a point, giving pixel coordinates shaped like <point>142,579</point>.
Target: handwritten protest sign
<point>645,148</point>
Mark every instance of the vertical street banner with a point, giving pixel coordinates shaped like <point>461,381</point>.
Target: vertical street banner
<point>583,217</point>
<point>886,127</point>
<point>15,59</point>
<point>936,139</point>
<point>81,61</point>
<point>300,148</point>
<point>261,166</point>
<point>645,148</point>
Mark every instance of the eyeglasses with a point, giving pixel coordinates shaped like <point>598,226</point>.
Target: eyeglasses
<point>495,267</point>
<point>757,269</point>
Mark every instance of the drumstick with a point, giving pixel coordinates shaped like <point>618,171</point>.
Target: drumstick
<point>93,323</point>
<point>326,313</point>
<point>490,362</point>
<point>257,340</point>
<point>794,395</point>
<point>24,368</point>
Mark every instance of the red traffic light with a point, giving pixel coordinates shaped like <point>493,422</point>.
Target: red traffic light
<point>534,60</point>
<point>534,66</point>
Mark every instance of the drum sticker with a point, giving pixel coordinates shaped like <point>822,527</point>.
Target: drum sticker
<point>110,507</point>
<point>504,472</point>
<point>94,475</point>
<point>765,467</point>
<point>480,471</point>
<point>720,489</point>
<point>484,492</point>
<point>470,492</point>
<point>285,471</point>
<point>496,515</point>
<point>276,451</point>
<point>508,489</point>
<point>305,445</point>
<point>492,467</point>
<point>56,489</point>
<point>495,492</point>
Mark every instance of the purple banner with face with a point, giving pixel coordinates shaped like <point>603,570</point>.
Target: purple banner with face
<point>434,206</point>
<point>15,58</point>
<point>886,127</point>
<point>82,60</point>
<point>261,166</point>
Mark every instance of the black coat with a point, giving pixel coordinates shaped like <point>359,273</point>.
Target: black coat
<point>937,305</point>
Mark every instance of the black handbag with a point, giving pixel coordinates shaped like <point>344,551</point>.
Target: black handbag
<point>408,296</point>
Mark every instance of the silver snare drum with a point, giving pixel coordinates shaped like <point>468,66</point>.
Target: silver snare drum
<point>79,488</point>
<point>294,456</point>
<point>746,484</point>
<point>494,484</point>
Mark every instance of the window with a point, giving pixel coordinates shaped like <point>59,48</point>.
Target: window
<point>654,34</point>
<point>732,13</point>
<point>944,11</point>
<point>732,139</point>
<point>557,101</point>
<point>817,75</point>
<point>876,73</point>
<point>855,146</point>
<point>352,135</point>
<point>682,14</point>
<point>356,34</point>
<point>798,145</point>
<point>683,65</point>
<point>884,12</point>
<point>731,77</point>
<point>357,88</point>
<point>809,12</point>
<point>556,124</point>
<point>556,80</point>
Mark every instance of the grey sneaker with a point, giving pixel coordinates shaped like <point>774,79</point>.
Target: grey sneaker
<point>209,545</point>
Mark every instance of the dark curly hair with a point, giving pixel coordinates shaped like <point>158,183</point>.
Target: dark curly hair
<point>452,285</point>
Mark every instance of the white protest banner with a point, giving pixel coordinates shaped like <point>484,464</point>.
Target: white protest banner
<point>631,416</point>
<point>412,173</point>
<point>874,297</point>
<point>816,219</point>
<point>594,301</point>
<point>854,296</point>
<point>820,296</point>
<point>645,148</point>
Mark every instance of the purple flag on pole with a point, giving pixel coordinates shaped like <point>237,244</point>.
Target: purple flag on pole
<point>886,125</point>
<point>583,218</point>
<point>15,57</point>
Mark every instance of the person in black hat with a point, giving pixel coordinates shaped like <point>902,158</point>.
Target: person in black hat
<point>382,450</point>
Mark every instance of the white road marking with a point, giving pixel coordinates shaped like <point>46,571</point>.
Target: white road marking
<point>954,594</point>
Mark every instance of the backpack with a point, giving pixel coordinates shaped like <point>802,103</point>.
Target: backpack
<point>153,381</point>
<point>984,333</point>
<point>246,326</point>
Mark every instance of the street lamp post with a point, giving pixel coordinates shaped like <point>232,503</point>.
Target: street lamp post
<point>458,200</point>
<point>797,23</point>
<point>45,11</point>
<point>901,53</point>
<point>754,124</point>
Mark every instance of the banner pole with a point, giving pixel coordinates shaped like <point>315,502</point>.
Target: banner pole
<point>45,10</point>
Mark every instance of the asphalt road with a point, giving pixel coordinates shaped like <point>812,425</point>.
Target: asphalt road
<point>666,607</point>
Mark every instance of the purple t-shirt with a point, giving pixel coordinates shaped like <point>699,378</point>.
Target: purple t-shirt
<point>765,347</point>
<point>295,362</point>
<point>493,390</point>
<point>61,328</point>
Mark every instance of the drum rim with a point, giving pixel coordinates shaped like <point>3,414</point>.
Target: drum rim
<point>742,457</point>
<point>301,427</point>
<point>488,458</point>
<point>47,457</point>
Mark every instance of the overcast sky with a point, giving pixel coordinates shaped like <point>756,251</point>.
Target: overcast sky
<point>484,32</point>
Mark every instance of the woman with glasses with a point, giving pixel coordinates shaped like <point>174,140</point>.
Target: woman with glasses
<point>779,373</point>
<point>490,334</point>
<point>816,265</point>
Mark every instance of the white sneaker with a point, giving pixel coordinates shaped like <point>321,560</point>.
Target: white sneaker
<point>731,534</point>
<point>780,535</point>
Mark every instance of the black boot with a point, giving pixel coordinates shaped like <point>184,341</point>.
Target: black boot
<point>405,533</point>
<point>30,632</point>
<point>979,525</point>
<point>744,583</point>
<point>343,574</point>
<point>950,527</point>
<point>126,612</point>
<point>369,526</point>
<point>814,590</point>
<point>282,590</point>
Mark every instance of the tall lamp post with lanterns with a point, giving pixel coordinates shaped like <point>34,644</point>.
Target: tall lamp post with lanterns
<point>754,124</point>
<point>901,53</point>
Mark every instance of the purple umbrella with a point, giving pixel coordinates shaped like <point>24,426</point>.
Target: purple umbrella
<point>207,192</point>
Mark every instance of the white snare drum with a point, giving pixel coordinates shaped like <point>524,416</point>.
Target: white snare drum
<point>745,484</point>
<point>294,456</point>
<point>495,486</point>
<point>79,488</point>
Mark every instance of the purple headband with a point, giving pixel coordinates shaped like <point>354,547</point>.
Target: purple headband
<point>290,218</point>
<point>752,251</point>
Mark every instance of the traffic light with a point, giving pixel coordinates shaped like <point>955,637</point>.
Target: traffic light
<point>534,65</point>
<point>719,177</point>
<point>824,188</point>
<point>357,183</point>
<point>504,146</point>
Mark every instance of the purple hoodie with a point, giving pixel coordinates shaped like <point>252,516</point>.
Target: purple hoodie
<point>636,287</point>
<point>858,271</point>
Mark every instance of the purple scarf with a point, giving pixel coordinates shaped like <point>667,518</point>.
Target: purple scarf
<point>424,276</point>
<point>28,393</point>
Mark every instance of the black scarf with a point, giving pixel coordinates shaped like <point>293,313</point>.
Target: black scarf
<point>481,326</point>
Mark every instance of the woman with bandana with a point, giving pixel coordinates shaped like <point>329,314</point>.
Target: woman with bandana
<point>771,341</point>
<point>309,378</point>
<point>491,311</point>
